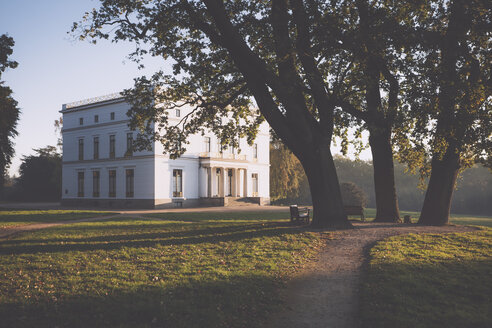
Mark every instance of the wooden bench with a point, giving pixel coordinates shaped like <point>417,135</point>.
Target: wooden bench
<point>299,214</point>
<point>355,210</point>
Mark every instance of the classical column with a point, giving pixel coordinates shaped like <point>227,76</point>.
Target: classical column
<point>246,183</point>
<point>202,179</point>
<point>236,183</point>
<point>240,183</point>
<point>224,182</point>
<point>209,182</point>
<point>213,188</point>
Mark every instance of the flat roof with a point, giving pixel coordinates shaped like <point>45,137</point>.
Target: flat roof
<point>91,101</point>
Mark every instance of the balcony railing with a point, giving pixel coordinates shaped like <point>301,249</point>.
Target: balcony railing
<point>223,156</point>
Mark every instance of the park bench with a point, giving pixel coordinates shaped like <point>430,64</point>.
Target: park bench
<point>299,214</point>
<point>355,210</point>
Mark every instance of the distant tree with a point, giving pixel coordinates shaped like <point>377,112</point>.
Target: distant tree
<point>473,194</point>
<point>286,173</point>
<point>9,112</point>
<point>40,176</point>
<point>225,54</point>
<point>58,131</point>
<point>353,195</point>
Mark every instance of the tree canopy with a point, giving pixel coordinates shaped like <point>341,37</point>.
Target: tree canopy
<point>225,55</point>
<point>40,176</point>
<point>9,111</point>
<point>416,73</point>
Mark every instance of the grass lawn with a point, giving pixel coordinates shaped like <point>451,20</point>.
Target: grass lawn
<point>188,272</point>
<point>11,218</point>
<point>462,219</point>
<point>223,216</point>
<point>429,281</point>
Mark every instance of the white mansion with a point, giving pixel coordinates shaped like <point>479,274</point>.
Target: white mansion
<point>99,168</point>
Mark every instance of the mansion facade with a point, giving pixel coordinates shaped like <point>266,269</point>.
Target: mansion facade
<point>100,168</point>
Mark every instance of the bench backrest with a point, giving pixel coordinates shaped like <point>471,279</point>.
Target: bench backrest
<point>294,211</point>
<point>353,209</point>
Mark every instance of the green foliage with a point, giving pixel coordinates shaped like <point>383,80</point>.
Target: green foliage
<point>150,272</point>
<point>450,94</point>
<point>429,281</point>
<point>40,176</point>
<point>286,173</point>
<point>9,112</point>
<point>353,195</point>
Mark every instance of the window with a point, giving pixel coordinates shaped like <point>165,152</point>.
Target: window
<point>178,112</point>
<point>129,144</point>
<point>80,184</point>
<point>255,151</point>
<point>231,149</point>
<point>177,183</point>
<point>112,146</point>
<point>81,149</point>
<point>129,183</point>
<point>95,184</point>
<point>207,144</point>
<point>96,118</point>
<point>219,146</point>
<point>254,176</point>
<point>96,148</point>
<point>111,116</point>
<point>81,121</point>
<point>112,183</point>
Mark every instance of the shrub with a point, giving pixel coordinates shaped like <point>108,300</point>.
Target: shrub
<point>353,195</point>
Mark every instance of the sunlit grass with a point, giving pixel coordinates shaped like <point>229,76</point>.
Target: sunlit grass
<point>462,219</point>
<point>429,281</point>
<point>17,218</point>
<point>148,272</point>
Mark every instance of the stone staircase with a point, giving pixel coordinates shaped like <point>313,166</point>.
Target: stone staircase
<point>240,201</point>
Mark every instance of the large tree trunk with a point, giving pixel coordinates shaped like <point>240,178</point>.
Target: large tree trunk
<point>325,190</point>
<point>437,202</point>
<point>384,175</point>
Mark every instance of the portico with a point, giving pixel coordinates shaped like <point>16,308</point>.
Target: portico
<point>220,180</point>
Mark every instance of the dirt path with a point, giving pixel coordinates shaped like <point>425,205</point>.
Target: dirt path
<point>7,232</point>
<point>326,293</point>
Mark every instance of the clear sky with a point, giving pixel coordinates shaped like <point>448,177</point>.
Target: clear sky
<point>55,69</point>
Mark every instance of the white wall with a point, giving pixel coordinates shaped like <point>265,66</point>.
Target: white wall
<point>143,178</point>
<point>164,177</point>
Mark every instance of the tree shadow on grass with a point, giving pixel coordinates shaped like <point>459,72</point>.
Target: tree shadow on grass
<point>138,239</point>
<point>452,293</point>
<point>222,216</point>
<point>239,301</point>
<point>49,217</point>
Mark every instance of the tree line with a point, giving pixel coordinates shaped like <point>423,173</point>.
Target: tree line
<point>289,184</point>
<point>40,180</point>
